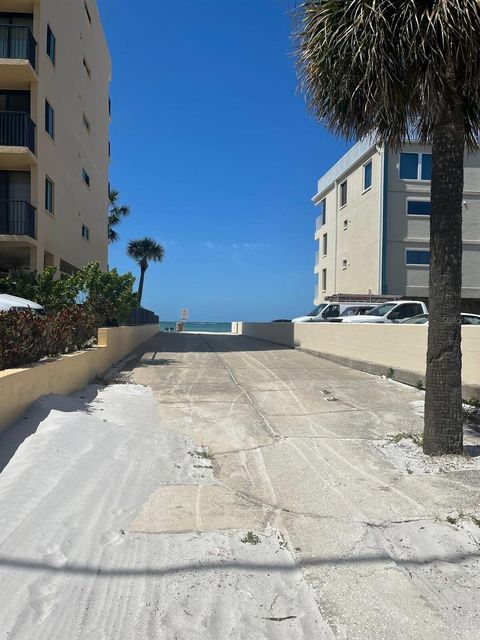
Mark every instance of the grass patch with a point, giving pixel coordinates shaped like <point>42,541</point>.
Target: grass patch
<point>475,520</point>
<point>391,373</point>
<point>250,538</point>
<point>204,454</point>
<point>419,385</point>
<point>416,438</point>
<point>452,520</point>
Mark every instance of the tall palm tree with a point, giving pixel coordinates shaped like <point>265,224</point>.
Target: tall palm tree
<point>116,213</point>
<point>401,70</point>
<point>144,251</point>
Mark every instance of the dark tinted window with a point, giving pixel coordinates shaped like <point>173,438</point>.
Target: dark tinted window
<point>408,166</point>
<point>418,257</point>
<point>426,166</point>
<point>49,195</point>
<point>49,120</point>
<point>51,44</point>
<point>333,311</point>
<point>407,311</point>
<point>419,208</point>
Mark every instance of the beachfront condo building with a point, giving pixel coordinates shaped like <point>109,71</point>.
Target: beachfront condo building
<point>373,224</point>
<point>54,135</point>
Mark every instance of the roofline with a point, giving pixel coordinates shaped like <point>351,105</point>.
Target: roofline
<point>342,166</point>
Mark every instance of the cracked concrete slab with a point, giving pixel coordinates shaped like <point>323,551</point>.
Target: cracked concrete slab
<point>308,461</point>
<point>346,545</point>
<point>183,508</point>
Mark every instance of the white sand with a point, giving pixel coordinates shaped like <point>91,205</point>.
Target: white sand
<point>70,568</point>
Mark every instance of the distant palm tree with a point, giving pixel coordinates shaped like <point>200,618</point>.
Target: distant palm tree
<point>143,251</point>
<point>116,213</point>
<point>408,70</point>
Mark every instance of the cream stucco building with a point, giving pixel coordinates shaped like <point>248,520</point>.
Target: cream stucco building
<point>54,135</point>
<point>373,227</point>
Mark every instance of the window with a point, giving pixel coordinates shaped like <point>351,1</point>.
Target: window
<point>324,279</point>
<point>345,225</point>
<point>324,244</point>
<point>419,207</point>
<point>343,194</point>
<point>407,310</point>
<point>323,212</point>
<point>87,11</point>
<point>87,68</point>
<point>49,120</point>
<point>367,176</point>
<point>86,123</point>
<point>85,232</point>
<point>86,177</point>
<point>332,311</point>
<point>49,195</point>
<point>415,166</point>
<point>344,265</point>
<point>51,44</point>
<point>417,257</point>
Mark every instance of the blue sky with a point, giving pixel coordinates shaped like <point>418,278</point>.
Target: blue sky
<point>229,157</point>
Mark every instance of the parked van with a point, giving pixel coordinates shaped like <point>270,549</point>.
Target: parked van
<point>329,311</point>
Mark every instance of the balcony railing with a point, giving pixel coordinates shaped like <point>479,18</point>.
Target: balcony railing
<point>17,43</point>
<point>17,218</point>
<point>17,129</point>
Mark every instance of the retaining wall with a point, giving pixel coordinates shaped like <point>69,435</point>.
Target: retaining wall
<point>398,351</point>
<point>20,387</point>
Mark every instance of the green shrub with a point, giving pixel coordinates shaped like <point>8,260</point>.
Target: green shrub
<point>43,288</point>
<point>108,296</point>
<point>27,337</point>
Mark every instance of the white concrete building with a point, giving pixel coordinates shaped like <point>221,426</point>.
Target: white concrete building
<point>54,135</point>
<point>373,227</point>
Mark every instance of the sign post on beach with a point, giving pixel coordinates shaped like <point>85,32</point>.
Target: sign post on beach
<point>183,319</point>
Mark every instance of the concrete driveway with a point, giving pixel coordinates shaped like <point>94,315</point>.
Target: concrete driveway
<point>244,491</point>
<point>292,435</point>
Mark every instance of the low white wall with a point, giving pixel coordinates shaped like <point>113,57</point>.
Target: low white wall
<point>20,387</point>
<point>377,348</point>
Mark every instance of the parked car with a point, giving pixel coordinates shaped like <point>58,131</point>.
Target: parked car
<point>329,311</point>
<point>467,318</point>
<point>390,312</point>
<point>8,302</point>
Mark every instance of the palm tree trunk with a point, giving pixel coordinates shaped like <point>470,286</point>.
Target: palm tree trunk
<point>443,400</point>
<point>143,268</point>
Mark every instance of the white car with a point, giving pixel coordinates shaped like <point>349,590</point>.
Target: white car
<point>328,311</point>
<point>8,302</point>
<point>390,312</point>
<point>467,318</point>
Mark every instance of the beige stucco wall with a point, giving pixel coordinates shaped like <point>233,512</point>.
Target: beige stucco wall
<point>20,387</point>
<point>72,93</point>
<point>369,346</point>
<point>358,244</point>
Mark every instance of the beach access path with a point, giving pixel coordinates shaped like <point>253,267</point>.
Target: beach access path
<point>217,486</point>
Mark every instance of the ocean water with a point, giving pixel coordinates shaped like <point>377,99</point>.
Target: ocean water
<point>209,327</point>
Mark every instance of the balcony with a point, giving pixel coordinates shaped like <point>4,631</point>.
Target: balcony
<point>17,218</point>
<point>18,52</point>
<point>17,141</point>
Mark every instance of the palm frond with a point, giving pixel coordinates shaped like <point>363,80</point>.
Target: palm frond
<point>389,67</point>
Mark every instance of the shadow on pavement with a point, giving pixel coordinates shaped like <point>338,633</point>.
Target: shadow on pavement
<point>21,564</point>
